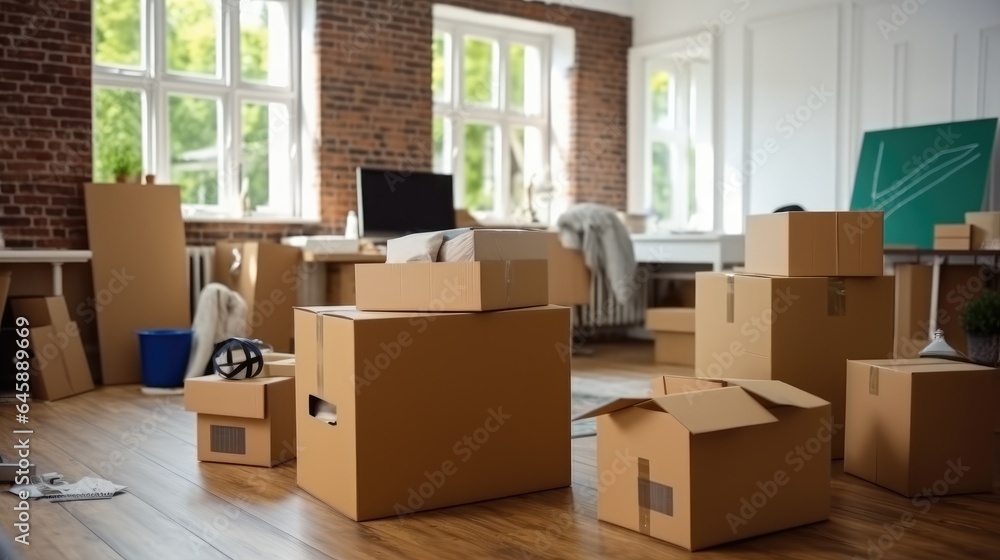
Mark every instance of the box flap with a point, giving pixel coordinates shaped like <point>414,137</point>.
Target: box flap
<point>713,410</point>
<point>613,406</point>
<point>921,365</point>
<point>673,384</point>
<point>779,393</point>
<point>244,398</point>
<point>351,313</point>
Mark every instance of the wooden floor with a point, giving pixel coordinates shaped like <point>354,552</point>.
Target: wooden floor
<point>176,507</point>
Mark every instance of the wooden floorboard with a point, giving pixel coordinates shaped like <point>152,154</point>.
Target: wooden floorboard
<point>177,507</point>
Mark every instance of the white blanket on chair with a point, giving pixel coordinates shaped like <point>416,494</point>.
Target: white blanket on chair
<point>221,314</point>
<point>596,230</point>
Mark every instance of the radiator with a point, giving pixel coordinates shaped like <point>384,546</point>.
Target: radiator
<point>199,272</point>
<point>605,313</point>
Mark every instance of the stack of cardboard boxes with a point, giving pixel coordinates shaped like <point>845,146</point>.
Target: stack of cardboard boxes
<point>812,296</point>
<point>447,384</point>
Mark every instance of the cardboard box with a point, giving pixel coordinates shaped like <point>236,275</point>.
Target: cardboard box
<point>139,265</point>
<point>59,363</point>
<point>912,315</point>
<point>710,462</point>
<point>244,422</point>
<point>443,286</point>
<point>41,311</point>
<point>921,427</point>
<point>267,276</point>
<point>569,277</point>
<point>986,233</point>
<point>279,368</point>
<point>797,330</point>
<point>431,410</point>
<point>815,244</point>
<point>952,237</point>
<point>673,332</point>
<point>496,245</point>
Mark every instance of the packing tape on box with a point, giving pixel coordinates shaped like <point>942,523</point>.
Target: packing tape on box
<point>873,380</point>
<point>319,350</point>
<point>730,297</point>
<point>836,297</point>
<point>653,496</point>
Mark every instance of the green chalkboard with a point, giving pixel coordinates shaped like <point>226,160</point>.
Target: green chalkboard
<point>924,175</point>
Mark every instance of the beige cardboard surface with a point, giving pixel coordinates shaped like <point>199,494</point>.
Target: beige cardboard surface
<point>41,311</point>
<point>60,357</point>
<point>137,238</point>
<point>815,244</point>
<point>797,330</point>
<point>246,422</point>
<point>431,411</point>
<point>280,368</point>
<point>464,286</point>
<point>670,319</point>
<point>698,490</point>
<point>569,277</point>
<point>51,381</point>
<point>502,245</point>
<point>953,230</point>
<point>986,227</point>
<point>952,243</point>
<point>911,423</point>
<point>912,293</point>
<point>673,348</point>
<point>268,280</point>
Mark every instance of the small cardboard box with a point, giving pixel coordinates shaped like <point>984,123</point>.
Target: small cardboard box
<point>245,422</point>
<point>60,362</point>
<point>496,245</point>
<point>405,412</point>
<point>704,462</point>
<point>815,244</point>
<point>953,237</point>
<point>569,277</point>
<point>921,426</point>
<point>673,331</point>
<point>986,233</point>
<point>445,286</point>
<point>797,330</point>
<point>279,368</point>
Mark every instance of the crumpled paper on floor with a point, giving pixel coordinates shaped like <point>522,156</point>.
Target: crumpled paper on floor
<point>53,487</point>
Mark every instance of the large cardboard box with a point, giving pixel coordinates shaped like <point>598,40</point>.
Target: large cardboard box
<point>673,334</point>
<point>569,277</point>
<point>815,244</point>
<point>445,286</point>
<point>986,230</point>
<point>60,362</point>
<point>245,422</point>
<point>921,427</point>
<point>707,462</point>
<point>431,410</point>
<point>797,330</point>
<point>139,266</point>
<point>267,276</point>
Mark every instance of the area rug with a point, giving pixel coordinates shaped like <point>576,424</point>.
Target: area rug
<point>590,393</point>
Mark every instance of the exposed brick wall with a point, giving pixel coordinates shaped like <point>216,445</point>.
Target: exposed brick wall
<point>207,233</point>
<point>45,122</point>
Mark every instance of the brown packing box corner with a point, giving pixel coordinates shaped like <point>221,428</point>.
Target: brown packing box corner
<point>268,278</point>
<point>448,286</point>
<point>569,277</point>
<point>139,265</point>
<point>279,368</point>
<point>797,330</point>
<point>673,332</point>
<point>60,361</point>
<point>482,420</point>
<point>921,426</point>
<point>706,462</point>
<point>912,292</point>
<point>987,227</point>
<point>815,244</point>
<point>244,422</point>
<point>953,237</point>
<point>4,289</point>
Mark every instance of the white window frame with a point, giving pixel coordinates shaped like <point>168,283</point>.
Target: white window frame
<point>156,85</point>
<point>458,114</point>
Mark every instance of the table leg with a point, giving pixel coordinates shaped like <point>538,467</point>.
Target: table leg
<point>57,279</point>
<point>935,286</point>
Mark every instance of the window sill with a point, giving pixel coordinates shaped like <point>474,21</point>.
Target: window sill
<point>251,220</point>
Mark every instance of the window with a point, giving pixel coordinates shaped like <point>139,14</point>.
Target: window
<point>491,116</point>
<point>201,93</point>
<point>671,158</point>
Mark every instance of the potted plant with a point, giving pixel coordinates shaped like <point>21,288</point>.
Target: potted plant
<point>126,165</point>
<point>981,322</point>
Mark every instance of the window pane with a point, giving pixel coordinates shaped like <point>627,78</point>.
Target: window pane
<point>661,98</point>
<point>192,32</point>
<point>265,154</point>
<point>479,68</point>
<point>524,79</point>
<point>441,67</point>
<point>526,170</point>
<point>117,134</point>
<point>118,33</point>
<point>441,136</point>
<point>265,55</point>
<point>194,148</point>
<point>481,166</point>
<point>662,184</point>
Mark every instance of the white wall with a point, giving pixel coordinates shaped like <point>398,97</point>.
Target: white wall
<point>799,81</point>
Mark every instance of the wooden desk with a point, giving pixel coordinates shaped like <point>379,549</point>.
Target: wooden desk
<point>329,277</point>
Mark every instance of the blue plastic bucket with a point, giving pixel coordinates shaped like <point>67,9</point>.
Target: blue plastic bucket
<point>164,355</point>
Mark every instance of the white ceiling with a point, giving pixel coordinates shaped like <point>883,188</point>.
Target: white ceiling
<point>618,7</point>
